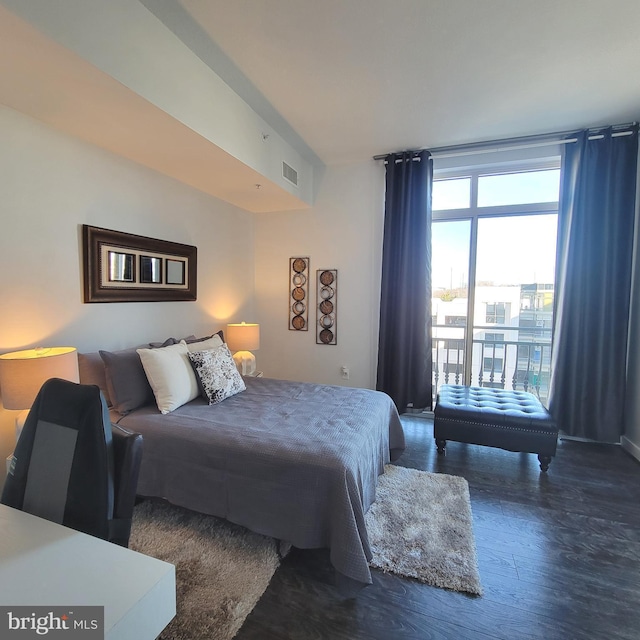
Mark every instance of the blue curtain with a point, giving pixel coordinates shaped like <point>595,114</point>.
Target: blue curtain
<point>404,346</point>
<point>593,284</point>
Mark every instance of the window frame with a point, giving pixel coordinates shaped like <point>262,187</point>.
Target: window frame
<point>474,213</point>
<point>474,173</point>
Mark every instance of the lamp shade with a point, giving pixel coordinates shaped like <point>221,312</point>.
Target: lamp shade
<point>22,373</point>
<point>243,337</point>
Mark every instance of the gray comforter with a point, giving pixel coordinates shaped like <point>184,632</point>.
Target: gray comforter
<point>295,461</point>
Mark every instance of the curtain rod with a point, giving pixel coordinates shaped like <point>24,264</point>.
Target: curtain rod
<point>509,144</point>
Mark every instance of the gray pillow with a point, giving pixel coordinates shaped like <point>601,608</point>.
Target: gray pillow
<point>127,382</point>
<point>91,370</point>
<point>159,345</point>
<point>192,339</point>
<point>188,339</point>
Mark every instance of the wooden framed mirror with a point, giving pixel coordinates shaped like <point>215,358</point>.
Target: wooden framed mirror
<point>123,267</point>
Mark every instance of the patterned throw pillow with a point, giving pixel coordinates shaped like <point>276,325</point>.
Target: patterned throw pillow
<point>217,373</point>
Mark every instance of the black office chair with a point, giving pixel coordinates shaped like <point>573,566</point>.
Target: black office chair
<point>72,466</point>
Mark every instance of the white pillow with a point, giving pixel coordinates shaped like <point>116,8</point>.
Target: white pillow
<point>211,343</point>
<point>170,375</point>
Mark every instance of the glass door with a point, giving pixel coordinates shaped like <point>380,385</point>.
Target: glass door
<point>513,317</point>
<point>493,267</point>
<point>451,241</point>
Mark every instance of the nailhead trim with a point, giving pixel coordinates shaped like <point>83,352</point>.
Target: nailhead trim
<point>551,431</point>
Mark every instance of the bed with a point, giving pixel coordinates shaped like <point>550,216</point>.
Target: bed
<point>295,461</point>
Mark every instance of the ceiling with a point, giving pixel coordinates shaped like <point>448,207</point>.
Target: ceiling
<point>338,80</point>
<point>356,78</point>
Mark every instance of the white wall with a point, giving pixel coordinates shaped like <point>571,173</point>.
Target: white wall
<point>342,231</point>
<point>51,184</point>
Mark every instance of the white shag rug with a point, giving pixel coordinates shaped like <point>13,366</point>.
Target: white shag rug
<point>420,526</point>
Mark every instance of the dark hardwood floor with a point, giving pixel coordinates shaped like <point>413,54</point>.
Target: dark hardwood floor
<point>559,557</point>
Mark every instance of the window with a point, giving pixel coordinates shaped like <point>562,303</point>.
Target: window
<point>523,187</point>
<point>524,351</point>
<point>452,368</point>
<point>451,194</point>
<point>493,364</point>
<point>495,313</point>
<point>492,385</point>
<point>528,379</point>
<point>494,343</point>
<point>495,226</point>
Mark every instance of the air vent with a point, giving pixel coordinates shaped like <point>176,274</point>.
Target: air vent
<point>290,174</point>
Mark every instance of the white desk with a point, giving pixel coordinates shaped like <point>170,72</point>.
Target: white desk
<point>43,563</point>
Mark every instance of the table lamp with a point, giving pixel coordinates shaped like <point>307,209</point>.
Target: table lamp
<point>241,340</point>
<point>22,373</point>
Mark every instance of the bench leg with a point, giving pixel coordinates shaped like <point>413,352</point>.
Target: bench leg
<point>545,461</point>
<point>441,444</point>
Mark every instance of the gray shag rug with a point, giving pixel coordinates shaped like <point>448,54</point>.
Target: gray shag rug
<point>221,569</point>
<point>421,527</point>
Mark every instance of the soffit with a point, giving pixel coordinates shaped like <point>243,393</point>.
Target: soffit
<point>44,80</point>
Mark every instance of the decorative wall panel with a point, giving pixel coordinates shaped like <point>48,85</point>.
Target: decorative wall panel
<point>298,294</point>
<point>327,306</point>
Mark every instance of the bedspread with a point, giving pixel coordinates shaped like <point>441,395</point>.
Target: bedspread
<point>295,461</point>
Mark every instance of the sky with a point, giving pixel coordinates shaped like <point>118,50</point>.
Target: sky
<point>512,250</point>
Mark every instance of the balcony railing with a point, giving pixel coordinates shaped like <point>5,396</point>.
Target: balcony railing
<point>522,363</point>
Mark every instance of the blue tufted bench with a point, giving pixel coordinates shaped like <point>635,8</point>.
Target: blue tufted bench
<point>511,420</point>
